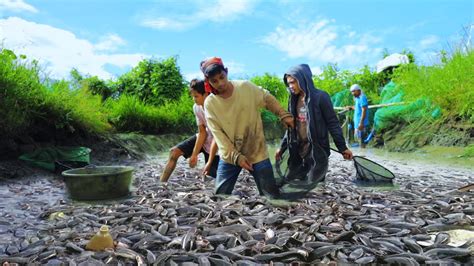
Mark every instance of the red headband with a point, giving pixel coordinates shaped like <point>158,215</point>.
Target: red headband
<point>204,65</point>
<point>210,61</point>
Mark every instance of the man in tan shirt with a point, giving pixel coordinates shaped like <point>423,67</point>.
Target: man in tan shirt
<point>233,116</point>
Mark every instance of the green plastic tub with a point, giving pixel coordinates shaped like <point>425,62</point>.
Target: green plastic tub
<point>98,182</point>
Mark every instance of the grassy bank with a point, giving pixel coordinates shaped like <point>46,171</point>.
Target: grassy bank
<point>449,87</point>
<point>152,98</point>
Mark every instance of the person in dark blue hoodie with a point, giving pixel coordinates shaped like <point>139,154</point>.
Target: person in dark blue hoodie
<point>308,143</point>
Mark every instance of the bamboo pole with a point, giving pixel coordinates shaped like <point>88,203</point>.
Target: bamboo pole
<point>373,106</point>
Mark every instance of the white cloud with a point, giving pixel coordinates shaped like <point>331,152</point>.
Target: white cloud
<point>224,10</point>
<point>110,43</point>
<point>324,42</point>
<point>215,11</point>
<point>60,50</point>
<point>235,68</point>
<point>165,23</point>
<point>426,49</point>
<point>429,41</point>
<point>470,36</point>
<point>316,70</point>
<point>16,6</point>
<point>193,75</point>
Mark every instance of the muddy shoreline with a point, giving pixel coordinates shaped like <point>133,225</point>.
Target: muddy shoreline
<point>184,222</point>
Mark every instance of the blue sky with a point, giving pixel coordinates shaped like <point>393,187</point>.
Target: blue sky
<point>106,38</point>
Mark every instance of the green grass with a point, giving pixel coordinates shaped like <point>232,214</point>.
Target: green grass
<point>74,108</point>
<point>28,99</point>
<point>129,114</point>
<point>469,151</point>
<point>20,92</point>
<point>449,85</point>
<point>335,81</point>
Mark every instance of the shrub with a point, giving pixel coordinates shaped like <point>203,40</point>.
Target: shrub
<point>153,82</point>
<point>449,85</point>
<point>130,114</point>
<point>20,93</point>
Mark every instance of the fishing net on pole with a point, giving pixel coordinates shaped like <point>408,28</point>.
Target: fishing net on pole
<point>369,171</point>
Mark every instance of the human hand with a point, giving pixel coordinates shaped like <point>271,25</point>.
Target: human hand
<point>278,155</point>
<point>193,161</point>
<point>347,154</point>
<point>206,169</point>
<point>289,122</point>
<point>360,127</point>
<point>244,163</point>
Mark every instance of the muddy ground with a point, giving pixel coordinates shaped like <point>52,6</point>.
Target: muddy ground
<point>421,192</point>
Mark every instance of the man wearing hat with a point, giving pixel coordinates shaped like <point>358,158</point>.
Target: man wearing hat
<point>361,114</point>
<point>233,116</point>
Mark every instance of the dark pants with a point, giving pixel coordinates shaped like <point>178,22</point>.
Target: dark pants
<point>187,147</point>
<point>227,175</point>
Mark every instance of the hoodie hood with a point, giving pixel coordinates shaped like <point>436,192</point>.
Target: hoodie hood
<point>303,74</point>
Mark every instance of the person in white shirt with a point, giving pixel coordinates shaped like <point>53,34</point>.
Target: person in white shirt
<point>199,143</point>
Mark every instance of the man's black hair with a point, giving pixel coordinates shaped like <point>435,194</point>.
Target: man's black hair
<point>198,86</point>
<point>214,70</point>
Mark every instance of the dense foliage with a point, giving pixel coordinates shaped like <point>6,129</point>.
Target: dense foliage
<point>21,92</point>
<point>449,84</point>
<point>152,97</point>
<point>129,113</point>
<point>27,101</point>
<point>153,82</point>
<point>277,88</point>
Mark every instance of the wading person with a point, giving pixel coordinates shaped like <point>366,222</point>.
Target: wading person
<point>315,118</point>
<point>233,116</point>
<point>361,114</point>
<point>199,143</point>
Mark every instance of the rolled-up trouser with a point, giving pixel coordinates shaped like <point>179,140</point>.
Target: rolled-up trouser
<point>227,175</point>
<point>360,136</point>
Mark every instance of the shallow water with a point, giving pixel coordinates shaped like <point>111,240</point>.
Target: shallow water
<point>426,156</point>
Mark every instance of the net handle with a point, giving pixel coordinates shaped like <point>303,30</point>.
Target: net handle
<point>356,164</point>
<point>336,151</point>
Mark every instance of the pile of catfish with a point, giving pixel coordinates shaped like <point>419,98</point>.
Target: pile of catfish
<point>184,223</point>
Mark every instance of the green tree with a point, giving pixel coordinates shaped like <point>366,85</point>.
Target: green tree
<point>370,82</point>
<point>273,84</point>
<point>92,84</point>
<point>76,77</point>
<point>97,86</point>
<point>277,88</point>
<point>153,81</point>
<point>332,79</point>
<point>410,54</point>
